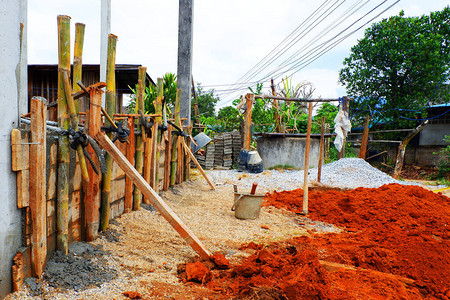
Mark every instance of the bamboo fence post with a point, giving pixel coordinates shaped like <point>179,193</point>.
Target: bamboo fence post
<point>148,159</point>
<point>154,143</point>
<point>402,149</point>
<point>327,143</point>
<point>62,207</point>
<point>158,110</point>
<point>128,205</point>
<point>187,157</point>
<point>140,140</point>
<point>156,200</point>
<point>167,159</point>
<point>248,121</point>
<point>364,139</point>
<point>319,167</point>
<point>305,171</point>
<point>110,103</point>
<point>38,205</point>
<point>173,162</point>
<point>77,60</point>
<point>74,120</point>
<point>92,198</point>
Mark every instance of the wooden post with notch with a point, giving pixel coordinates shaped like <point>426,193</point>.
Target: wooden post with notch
<point>364,139</point>
<point>38,203</point>
<point>305,171</point>
<point>156,200</point>
<point>249,98</point>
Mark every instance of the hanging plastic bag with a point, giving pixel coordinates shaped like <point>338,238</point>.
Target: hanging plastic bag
<point>342,126</point>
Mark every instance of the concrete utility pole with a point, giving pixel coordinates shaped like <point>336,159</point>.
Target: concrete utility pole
<point>105,29</point>
<point>184,70</point>
<point>13,96</point>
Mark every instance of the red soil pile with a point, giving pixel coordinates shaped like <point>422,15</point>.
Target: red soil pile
<point>396,236</point>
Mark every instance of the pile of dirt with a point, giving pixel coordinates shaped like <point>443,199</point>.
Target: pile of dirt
<point>396,243</point>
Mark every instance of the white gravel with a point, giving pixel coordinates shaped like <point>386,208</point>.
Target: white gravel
<point>346,173</point>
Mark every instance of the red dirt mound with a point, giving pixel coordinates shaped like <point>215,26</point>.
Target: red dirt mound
<point>396,246</point>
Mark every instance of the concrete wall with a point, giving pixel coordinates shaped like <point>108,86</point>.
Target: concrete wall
<point>12,88</point>
<point>288,151</point>
<point>433,134</point>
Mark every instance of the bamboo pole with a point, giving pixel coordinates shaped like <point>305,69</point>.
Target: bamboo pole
<point>305,171</point>
<point>189,152</point>
<point>158,110</point>
<point>173,165</point>
<point>187,157</point>
<point>140,140</point>
<point>319,167</point>
<point>77,60</point>
<point>148,151</point>
<point>364,139</point>
<point>154,143</point>
<point>92,198</point>
<point>62,207</point>
<point>156,200</point>
<point>197,115</point>
<point>74,121</point>
<point>402,149</point>
<point>110,104</point>
<point>128,205</point>
<point>38,205</point>
<point>167,159</point>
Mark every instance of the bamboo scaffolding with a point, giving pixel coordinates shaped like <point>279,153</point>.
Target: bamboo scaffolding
<point>38,205</point>
<point>62,206</point>
<point>322,139</point>
<point>306,169</point>
<point>110,100</point>
<point>140,108</point>
<point>78,60</point>
<point>158,110</point>
<point>173,160</point>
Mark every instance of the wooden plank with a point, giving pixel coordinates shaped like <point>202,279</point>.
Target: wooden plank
<point>17,151</point>
<point>18,270</point>
<point>188,151</point>
<point>23,188</point>
<point>92,196</point>
<point>130,157</point>
<point>156,200</point>
<point>38,185</point>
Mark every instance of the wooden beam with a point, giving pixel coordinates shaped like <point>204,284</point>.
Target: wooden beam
<point>248,121</point>
<point>156,200</point>
<point>189,152</point>
<point>305,171</point>
<point>38,205</point>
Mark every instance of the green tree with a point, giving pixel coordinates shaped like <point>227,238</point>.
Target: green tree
<point>206,103</point>
<point>398,65</point>
<point>230,117</point>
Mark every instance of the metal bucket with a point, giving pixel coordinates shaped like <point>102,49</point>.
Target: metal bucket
<point>247,206</point>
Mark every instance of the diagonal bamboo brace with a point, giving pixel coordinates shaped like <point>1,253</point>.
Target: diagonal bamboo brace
<point>197,164</point>
<point>154,198</point>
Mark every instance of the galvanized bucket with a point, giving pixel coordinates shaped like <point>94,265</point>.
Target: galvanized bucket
<point>247,206</point>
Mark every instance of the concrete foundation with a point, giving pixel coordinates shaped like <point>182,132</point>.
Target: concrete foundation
<point>12,92</point>
<point>287,152</point>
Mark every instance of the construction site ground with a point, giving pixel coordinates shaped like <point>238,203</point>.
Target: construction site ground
<point>142,257</point>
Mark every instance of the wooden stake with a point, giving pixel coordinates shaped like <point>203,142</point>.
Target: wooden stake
<point>319,167</point>
<point>62,206</point>
<point>158,110</point>
<point>188,151</point>
<point>306,169</point>
<point>402,149</point>
<point>248,121</point>
<point>156,200</point>
<point>77,60</point>
<point>364,139</point>
<point>38,205</point>
<point>92,197</point>
<point>130,156</point>
<point>110,99</point>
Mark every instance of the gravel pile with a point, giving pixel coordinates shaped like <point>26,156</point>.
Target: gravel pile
<point>346,173</point>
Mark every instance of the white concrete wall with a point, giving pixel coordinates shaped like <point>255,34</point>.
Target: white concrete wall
<point>12,72</point>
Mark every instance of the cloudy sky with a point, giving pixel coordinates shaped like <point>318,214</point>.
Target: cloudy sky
<point>230,37</point>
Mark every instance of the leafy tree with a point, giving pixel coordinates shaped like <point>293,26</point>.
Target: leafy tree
<point>398,65</point>
<point>230,117</point>
<point>206,103</point>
